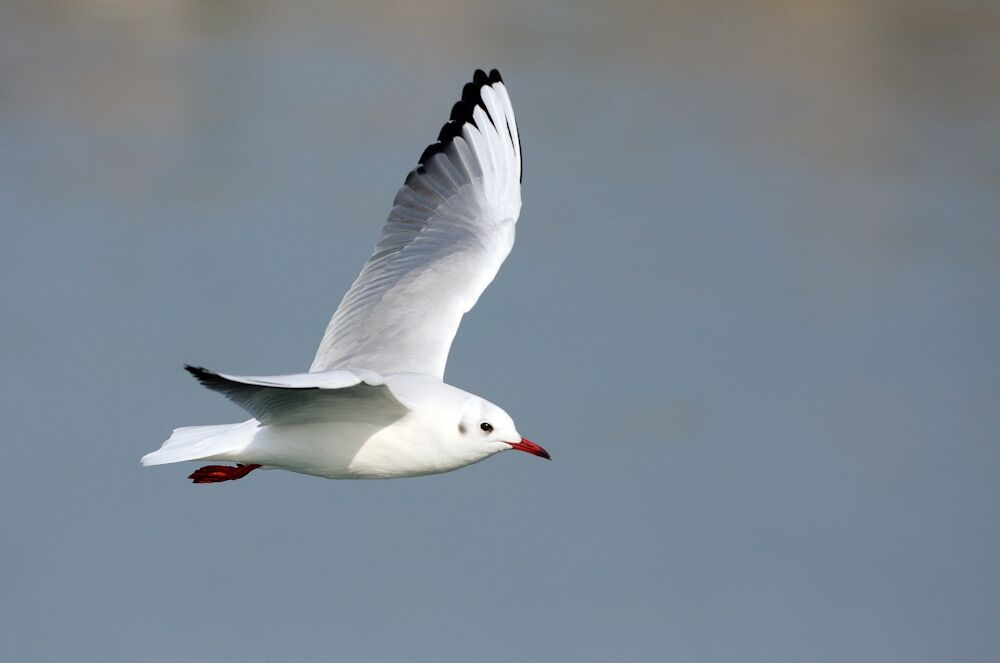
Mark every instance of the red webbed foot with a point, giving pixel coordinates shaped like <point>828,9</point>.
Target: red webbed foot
<point>219,473</point>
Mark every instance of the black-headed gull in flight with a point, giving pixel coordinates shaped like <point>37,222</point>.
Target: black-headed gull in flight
<point>374,405</point>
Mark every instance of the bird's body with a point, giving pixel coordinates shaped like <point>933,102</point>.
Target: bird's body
<point>382,442</point>
<point>374,404</point>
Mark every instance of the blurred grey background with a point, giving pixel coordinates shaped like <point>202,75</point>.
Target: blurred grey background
<point>752,312</point>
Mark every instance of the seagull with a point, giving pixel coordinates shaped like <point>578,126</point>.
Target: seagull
<point>374,404</point>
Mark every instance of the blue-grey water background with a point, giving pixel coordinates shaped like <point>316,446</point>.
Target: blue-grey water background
<point>753,312</point>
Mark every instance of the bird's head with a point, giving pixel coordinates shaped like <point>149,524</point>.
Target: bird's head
<point>483,423</point>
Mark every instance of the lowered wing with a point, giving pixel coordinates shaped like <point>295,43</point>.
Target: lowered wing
<point>307,397</point>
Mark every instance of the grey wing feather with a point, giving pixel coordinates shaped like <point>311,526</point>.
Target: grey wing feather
<point>290,400</point>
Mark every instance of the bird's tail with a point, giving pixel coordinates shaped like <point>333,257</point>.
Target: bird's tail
<point>203,443</point>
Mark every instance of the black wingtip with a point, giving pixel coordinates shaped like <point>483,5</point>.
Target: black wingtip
<point>461,114</point>
<point>202,375</point>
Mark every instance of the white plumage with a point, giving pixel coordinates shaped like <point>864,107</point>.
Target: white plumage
<point>373,404</point>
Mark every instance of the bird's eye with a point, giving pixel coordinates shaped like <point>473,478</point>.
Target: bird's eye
<point>486,427</point>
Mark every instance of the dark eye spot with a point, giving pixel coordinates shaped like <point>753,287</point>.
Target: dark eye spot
<point>486,427</point>
<point>461,428</point>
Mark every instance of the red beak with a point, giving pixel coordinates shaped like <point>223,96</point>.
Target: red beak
<point>531,448</point>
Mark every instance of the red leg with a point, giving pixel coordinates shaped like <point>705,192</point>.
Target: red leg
<point>217,473</point>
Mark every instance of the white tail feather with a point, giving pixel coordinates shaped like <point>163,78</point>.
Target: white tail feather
<point>203,443</point>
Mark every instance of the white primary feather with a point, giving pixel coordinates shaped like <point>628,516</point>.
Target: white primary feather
<point>450,229</point>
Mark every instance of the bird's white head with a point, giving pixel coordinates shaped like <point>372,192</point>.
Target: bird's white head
<point>486,426</point>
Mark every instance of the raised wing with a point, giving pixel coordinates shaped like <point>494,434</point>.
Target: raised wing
<point>307,397</point>
<point>450,229</point>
